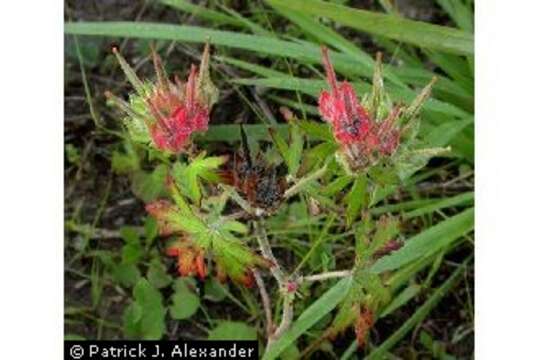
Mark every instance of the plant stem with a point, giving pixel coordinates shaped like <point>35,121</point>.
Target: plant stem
<point>326,275</point>
<point>293,190</point>
<point>286,318</point>
<point>266,250</point>
<point>278,274</point>
<point>265,301</point>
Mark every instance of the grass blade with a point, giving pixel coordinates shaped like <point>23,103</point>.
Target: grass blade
<point>428,241</point>
<point>420,314</point>
<point>304,51</point>
<point>394,27</point>
<point>309,317</point>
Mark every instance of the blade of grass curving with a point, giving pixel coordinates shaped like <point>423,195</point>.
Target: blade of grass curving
<point>251,67</point>
<point>401,299</point>
<point>252,26</point>
<point>459,12</point>
<point>308,109</point>
<point>202,12</point>
<point>231,133</point>
<point>441,135</point>
<point>394,27</point>
<point>458,200</point>
<point>316,311</point>
<point>428,241</point>
<point>313,88</point>
<point>301,51</point>
<point>88,94</point>
<point>421,313</point>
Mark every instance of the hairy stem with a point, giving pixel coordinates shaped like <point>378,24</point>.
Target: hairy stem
<point>266,251</point>
<point>266,302</point>
<point>286,318</point>
<point>325,276</point>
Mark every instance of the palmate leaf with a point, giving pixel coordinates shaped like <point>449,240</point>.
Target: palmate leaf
<point>188,176</point>
<point>210,233</point>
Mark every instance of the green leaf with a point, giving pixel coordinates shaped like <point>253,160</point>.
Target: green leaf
<point>132,315</point>
<point>356,199</point>
<point>144,319</point>
<point>214,290</point>
<point>187,176</point>
<point>295,150</point>
<point>401,299</point>
<point>184,301</point>
<point>151,230</point>
<point>394,27</point>
<point>129,234</point>
<point>126,274</point>
<point>149,186</point>
<point>301,50</point>
<point>73,154</point>
<point>408,162</point>
<point>458,200</point>
<point>234,226</point>
<point>337,185</point>
<point>428,241</point>
<point>202,12</point>
<point>232,330</point>
<point>316,311</point>
<point>157,274</point>
<point>125,162</point>
<point>131,253</point>
<point>445,132</point>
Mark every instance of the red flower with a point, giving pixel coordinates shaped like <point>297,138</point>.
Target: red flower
<point>362,140</point>
<point>177,113</point>
<point>340,107</point>
<point>171,111</point>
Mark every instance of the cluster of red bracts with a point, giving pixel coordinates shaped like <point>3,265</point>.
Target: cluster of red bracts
<point>361,138</point>
<point>177,113</point>
<point>173,111</point>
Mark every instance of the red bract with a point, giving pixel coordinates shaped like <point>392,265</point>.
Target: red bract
<point>172,110</point>
<point>177,113</point>
<point>340,107</point>
<point>362,139</point>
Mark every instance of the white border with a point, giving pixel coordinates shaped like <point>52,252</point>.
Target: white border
<point>507,179</point>
<point>507,187</point>
<point>31,180</point>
